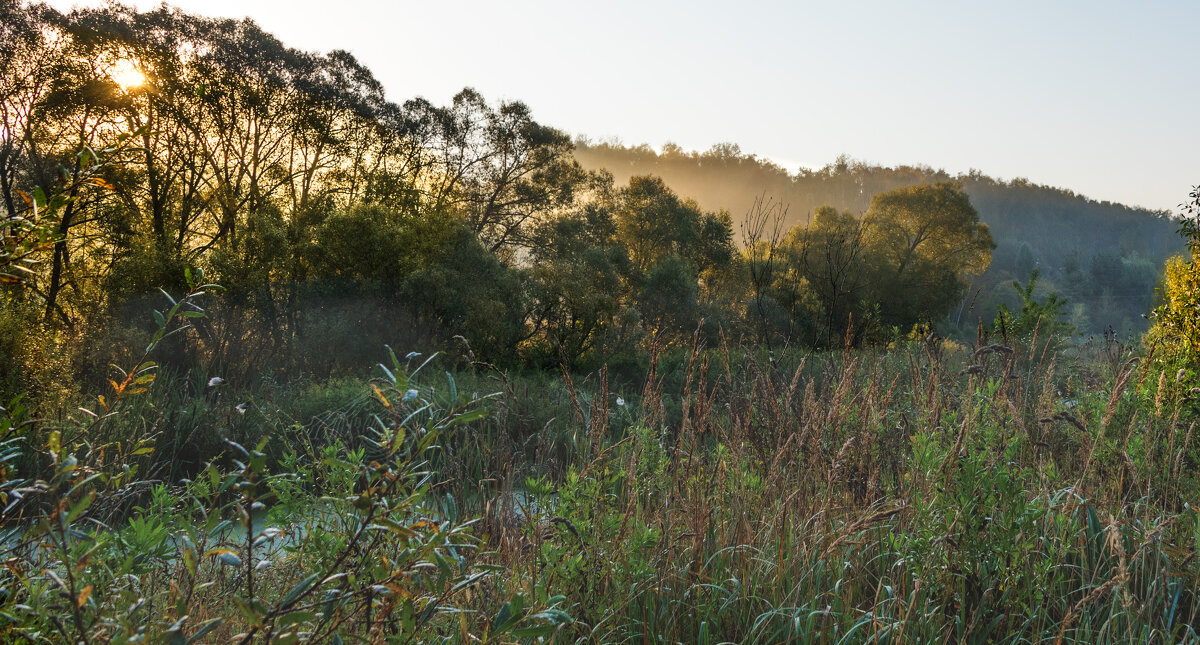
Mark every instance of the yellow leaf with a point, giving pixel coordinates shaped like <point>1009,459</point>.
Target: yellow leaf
<point>83,596</point>
<point>383,398</point>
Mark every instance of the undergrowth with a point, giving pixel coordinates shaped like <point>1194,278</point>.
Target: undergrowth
<point>1002,494</point>
<point>1013,491</point>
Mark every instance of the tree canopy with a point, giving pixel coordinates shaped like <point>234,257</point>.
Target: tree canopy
<point>325,208</point>
<point>928,241</point>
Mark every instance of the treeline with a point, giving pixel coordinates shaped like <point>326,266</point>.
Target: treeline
<point>147,144</point>
<point>1104,258</point>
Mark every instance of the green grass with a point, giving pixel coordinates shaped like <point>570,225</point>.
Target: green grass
<point>876,496</point>
<point>922,493</point>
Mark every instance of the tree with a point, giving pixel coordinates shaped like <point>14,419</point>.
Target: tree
<point>1044,318</point>
<point>655,223</point>
<point>927,241</point>
<point>830,255</point>
<point>675,250</point>
<point>580,277</point>
<point>462,287</point>
<point>502,168</point>
<point>762,230</point>
<point>1177,319</point>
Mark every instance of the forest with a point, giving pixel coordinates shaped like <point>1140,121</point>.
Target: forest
<point>1104,258</point>
<point>283,360</point>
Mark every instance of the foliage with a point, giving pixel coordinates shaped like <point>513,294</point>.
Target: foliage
<point>905,262</point>
<point>1054,229</point>
<point>928,241</point>
<point>330,541</point>
<point>1175,320</point>
<point>1041,318</point>
<point>580,277</point>
<point>323,206</point>
<point>867,496</point>
<point>244,481</point>
<point>829,255</point>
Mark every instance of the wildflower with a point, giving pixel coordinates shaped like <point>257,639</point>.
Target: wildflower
<point>620,402</point>
<point>241,408</point>
<point>215,381</point>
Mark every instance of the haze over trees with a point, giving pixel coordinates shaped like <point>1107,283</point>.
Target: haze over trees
<point>296,184</point>
<point>1103,257</point>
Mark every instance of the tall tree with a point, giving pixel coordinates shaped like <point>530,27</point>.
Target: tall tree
<point>831,255</point>
<point>927,240</point>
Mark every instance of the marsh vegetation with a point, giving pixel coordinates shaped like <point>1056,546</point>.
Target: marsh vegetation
<point>284,361</point>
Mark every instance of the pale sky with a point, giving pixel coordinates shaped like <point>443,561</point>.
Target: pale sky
<point>1099,97</point>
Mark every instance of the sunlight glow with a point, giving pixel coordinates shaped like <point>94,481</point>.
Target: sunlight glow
<point>126,74</point>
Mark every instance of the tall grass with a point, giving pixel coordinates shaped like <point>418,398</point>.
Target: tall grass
<point>928,492</point>
<point>922,494</point>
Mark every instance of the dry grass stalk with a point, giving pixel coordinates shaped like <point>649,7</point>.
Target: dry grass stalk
<point>598,423</point>
<point>571,393</point>
<point>685,402</point>
<point>858,525</point>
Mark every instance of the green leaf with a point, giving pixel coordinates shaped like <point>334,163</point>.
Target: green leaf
<point>443,565</point>
<point>205,627</point>
<point>226,556</point>
<point>468,581</point>
<point>535,631</point>
<point>175,633</point>
<point>79,507</point>
<point>250,611</point>
<point>468,416</point>
<point>508,615</point>
<point>298,590</point>
<point>427,613</point>
<point>295,617</point>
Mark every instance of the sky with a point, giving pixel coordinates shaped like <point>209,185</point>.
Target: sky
<point>1098,97</point>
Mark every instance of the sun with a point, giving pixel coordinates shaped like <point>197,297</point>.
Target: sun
<point>126,74</point>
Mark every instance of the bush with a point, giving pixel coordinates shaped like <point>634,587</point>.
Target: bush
<point>327,542</point>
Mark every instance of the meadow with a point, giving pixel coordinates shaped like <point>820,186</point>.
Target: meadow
<point>1015,490</point>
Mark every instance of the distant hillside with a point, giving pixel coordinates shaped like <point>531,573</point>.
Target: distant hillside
<point>1105,257</point>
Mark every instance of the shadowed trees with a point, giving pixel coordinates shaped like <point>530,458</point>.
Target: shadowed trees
<point>907,260</point>
<point>629,261</point>
<point>327,209</point>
